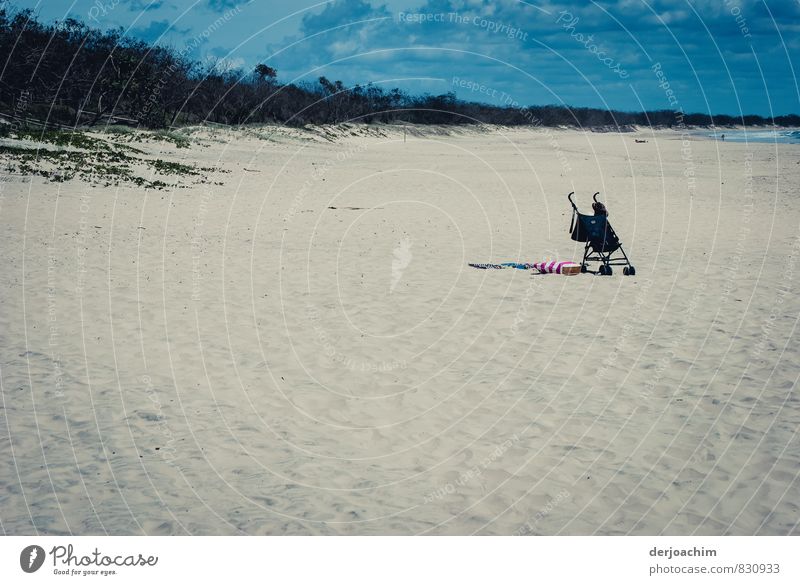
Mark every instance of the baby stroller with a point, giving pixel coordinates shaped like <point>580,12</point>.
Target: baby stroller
<point>602,242</point>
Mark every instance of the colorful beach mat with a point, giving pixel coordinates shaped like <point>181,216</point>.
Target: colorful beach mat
<point>547,267</point>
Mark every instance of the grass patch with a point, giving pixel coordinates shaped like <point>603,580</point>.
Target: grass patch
<point>172,168</point>
<point>179,140</point>
<point>71,138</point>
<point>110,164</point>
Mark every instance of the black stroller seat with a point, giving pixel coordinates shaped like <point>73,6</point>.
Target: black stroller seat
<point>601,240</point>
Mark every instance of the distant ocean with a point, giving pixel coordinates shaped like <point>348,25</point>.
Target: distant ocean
<point>783,136</point>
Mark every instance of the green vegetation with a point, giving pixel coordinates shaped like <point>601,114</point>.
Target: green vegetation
<point>172,168</point>
<point>175,138</point>
<point>65,155</point>
<point>70,74</point>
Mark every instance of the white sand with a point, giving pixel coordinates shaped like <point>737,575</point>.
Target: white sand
<point>239,358</point>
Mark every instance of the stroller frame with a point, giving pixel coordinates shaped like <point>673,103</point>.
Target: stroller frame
<point>602,243</point>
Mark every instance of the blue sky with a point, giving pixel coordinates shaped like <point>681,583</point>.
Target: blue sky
<point>713,56</point>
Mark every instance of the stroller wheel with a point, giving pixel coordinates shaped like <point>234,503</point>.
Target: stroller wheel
<point>583,268</point>
<point>602,271</point>
<point>609,272</point>
<point>629,271</point>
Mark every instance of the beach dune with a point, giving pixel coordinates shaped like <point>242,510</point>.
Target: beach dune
<point>297,345</point>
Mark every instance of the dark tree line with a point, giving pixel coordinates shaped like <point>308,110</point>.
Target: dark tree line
<point>67,73</point>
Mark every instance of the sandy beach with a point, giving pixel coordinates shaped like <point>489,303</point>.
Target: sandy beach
<point>293,342</point>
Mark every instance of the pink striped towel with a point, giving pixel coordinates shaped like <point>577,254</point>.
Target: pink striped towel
<point>556,267</point>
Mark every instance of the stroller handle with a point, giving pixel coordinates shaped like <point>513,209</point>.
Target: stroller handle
<point>571,201</point>
<point>595,197</point>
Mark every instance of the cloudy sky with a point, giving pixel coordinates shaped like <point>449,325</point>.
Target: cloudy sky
<point>714,56</point>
